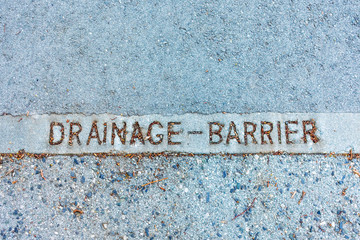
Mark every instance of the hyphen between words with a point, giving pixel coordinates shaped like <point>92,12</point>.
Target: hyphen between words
<point>262,132</point>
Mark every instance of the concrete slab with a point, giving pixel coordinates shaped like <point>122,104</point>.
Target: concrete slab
<point>188,133</point>
<point>148,57</point>
<point>171,58</point>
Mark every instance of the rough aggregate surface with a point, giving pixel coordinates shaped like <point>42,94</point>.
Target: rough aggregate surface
<point>293,197</point>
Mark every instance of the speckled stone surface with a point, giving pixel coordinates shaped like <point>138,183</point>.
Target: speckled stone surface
<point>174,57</point>
<point>294,197</point>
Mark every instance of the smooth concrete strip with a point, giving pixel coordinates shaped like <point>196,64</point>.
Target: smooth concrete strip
<point>189,133</point>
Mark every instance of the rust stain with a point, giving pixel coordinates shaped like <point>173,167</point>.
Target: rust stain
<point>21,154</point>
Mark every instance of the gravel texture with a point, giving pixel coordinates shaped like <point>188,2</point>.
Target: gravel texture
<point>193,198</point>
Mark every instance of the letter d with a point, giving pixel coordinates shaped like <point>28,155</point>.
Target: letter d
<point>62,130</point>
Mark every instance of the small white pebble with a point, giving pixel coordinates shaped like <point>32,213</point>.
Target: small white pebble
<point>105,225</point>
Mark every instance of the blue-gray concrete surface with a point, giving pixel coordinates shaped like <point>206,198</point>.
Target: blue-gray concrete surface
<point>143,57</point>
<point>174,57</point>
<point>298,197</point>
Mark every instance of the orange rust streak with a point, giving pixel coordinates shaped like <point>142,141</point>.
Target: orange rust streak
<point>78,211</point>
<point>154,182</point>
<point>356,172</point>
<point>42,174</point>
